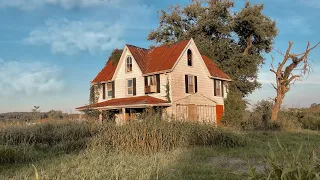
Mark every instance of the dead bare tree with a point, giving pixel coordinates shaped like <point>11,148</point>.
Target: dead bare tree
<point>285,76</point>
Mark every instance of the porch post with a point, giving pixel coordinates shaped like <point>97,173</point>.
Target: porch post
<point>100,117</point>
<point>124,114</point>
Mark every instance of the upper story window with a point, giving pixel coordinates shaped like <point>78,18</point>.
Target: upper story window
<point>151,80</point>
<point>189,53</point>
<point>130,86</point>
<point>129,64</point>
<point>110,90</point>
<point>191,84</point>
<point>152,84</point>
<point>218,88</point>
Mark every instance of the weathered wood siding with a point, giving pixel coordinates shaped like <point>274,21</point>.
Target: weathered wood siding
<point>206,108</point>
<point>198,68</point>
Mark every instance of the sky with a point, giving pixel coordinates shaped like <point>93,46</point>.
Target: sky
<point>50,50</point>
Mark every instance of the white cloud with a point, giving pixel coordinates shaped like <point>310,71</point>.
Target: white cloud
<point>30,78</point>
<point>69,37</point>
<point>66,4</point>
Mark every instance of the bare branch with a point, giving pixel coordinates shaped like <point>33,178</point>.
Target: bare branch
<point>273,71</point>
<point>274,86</point>
<point>249,45</point>
<point>294,77</point>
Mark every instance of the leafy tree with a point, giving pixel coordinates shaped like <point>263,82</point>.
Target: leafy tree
<point>235,41</point>
<point>115,55</point>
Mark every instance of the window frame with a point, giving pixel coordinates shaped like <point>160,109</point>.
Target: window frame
<point>131,79</point>
<point>129,64</point>
<point>153,79</point>
<point>218,83</point>
<point>109,90</point>
<point>191,84</point>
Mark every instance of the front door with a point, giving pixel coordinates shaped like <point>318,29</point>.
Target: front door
<point>192,112</point>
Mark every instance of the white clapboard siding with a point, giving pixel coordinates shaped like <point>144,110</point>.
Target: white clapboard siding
<point>198,68</point>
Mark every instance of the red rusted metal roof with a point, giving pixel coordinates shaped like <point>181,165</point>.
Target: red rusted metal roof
<point>107,72</point>
<point>214,70</point>
<point>157,59</point>
<point>139,100</point>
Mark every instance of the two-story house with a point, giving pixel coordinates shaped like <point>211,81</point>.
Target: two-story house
<point>177,78</point>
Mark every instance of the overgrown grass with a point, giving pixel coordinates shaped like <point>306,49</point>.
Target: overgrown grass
<point>154,136</point>
<point>141,150</point>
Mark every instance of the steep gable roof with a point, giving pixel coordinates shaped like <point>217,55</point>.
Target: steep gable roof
<point>107,72</point>
<point>159,58</point>
<point>213,69</point>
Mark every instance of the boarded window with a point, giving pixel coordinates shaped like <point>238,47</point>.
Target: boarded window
<point>129,64</point>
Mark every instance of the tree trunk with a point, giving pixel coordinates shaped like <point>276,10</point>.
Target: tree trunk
<point>276,108</point>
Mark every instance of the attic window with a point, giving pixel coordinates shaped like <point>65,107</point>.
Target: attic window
<point>189,57</point>
<point>129,64</point>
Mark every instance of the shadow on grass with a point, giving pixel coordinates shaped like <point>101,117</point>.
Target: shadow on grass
<point>234,163</point>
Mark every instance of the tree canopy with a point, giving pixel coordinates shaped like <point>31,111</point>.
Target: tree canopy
<point>235,41</point>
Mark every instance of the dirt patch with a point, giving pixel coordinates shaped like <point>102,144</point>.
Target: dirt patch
<point>237,165</point>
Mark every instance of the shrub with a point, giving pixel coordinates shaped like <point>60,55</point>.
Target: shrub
<point>234,112</point>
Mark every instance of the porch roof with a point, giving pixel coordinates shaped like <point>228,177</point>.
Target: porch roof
<point>132,102</point>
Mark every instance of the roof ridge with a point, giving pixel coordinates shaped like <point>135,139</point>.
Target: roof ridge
<point>136,46</point>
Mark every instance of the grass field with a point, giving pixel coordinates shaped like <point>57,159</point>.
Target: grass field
<point>185,162</point>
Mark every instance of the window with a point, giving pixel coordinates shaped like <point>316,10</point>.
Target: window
<point>151,80</point>
<point>129,64</point>
<point>130,86</point>
<point>217,88</point>
<point>189,57</point>
<point>152,84</point>
<point>109,88</point>
<point>104,91</point>
<point>191,84</point>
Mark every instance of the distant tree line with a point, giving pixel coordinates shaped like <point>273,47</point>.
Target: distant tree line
<point>29,116</point>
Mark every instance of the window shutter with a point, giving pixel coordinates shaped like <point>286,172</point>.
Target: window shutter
<point>158,82</point>
<point>214,87</point>
<point>134,86</point>
<point>222,90</point>
<point>195,84</point>
<point>146,81</point>
<point>186,84</point>
<point>113,90</point>
<point>103,90</point>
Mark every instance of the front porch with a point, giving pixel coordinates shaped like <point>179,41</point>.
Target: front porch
<point>122,110</point>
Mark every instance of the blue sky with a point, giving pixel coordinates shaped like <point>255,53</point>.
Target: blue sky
<point>51,49</point>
